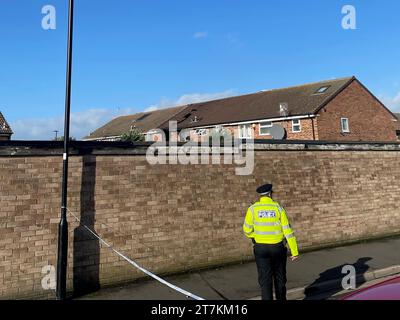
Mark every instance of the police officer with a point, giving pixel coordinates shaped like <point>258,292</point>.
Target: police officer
<point>267,225</point>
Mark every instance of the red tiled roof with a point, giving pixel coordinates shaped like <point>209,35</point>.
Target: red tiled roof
<point>143,121</point>
<point>301,100</point>
<point>4,126</point>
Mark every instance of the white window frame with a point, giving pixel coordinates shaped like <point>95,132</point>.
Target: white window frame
<point>149,137</point>
<point>322,90</point>
<point>263,126</point>
<point>201,132</point>
<point>296,124</point>
<point>249,128</point>
<point>345,130</point>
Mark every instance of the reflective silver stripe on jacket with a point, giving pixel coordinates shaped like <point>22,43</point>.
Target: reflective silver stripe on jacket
<point>286,227</point>
<point>267,224</point>
<point>247,226</point>
<point>289,236</point>
<point>249,233</point>
<point>269,233</point>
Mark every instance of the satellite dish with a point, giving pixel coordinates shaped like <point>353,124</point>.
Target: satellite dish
<point>277,132</point>
<point>184,135</point>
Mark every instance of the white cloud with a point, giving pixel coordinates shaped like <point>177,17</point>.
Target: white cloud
<point>84,122</point>
<point>393,103</point>
<point>152,108</point>
<point>190,98</point>
<point>201,97</point>
<point>200,34</point>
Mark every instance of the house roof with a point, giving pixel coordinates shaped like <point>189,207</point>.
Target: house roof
<point>4,126</point>
<point>301,100</point>
<point>144,121</point>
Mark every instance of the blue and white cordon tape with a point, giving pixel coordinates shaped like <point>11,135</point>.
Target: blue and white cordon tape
<point>180,290</point>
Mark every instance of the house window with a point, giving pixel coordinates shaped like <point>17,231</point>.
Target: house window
<point>265,128</point>
<point>345,124</point>
<point>201,132</point>
<point>296,125</point>
<point>398,134</point>
<point>245,131</point>
<point>149,137</point>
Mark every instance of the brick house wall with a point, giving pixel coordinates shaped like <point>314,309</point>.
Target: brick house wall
<point>152,214</point>
<point>368,119</point>
<point>398,126</point>
<point>306,132</point>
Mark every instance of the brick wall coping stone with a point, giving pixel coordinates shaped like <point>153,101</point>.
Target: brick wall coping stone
<point>78,148</point>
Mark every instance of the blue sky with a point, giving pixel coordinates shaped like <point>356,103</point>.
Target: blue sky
<point>132,55</point>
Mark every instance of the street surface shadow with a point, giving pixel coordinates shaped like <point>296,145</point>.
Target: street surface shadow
<point>314,289</point>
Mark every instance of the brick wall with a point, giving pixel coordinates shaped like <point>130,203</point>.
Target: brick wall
<point>368,120</point>
<point>172,218</point>
<point>307,131</point>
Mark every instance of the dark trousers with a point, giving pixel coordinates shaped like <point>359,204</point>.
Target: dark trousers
<point>271,265</point>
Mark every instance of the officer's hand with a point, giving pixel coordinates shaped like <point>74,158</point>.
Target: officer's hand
<point>294,258</point>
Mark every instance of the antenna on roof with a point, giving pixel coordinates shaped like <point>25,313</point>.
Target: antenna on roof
<point>284,109</point>
<point>195,119</point>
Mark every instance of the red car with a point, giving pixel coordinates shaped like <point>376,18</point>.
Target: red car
<point>386,290</point>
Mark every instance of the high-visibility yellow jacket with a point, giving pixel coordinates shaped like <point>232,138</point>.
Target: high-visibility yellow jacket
<point>266,222</point>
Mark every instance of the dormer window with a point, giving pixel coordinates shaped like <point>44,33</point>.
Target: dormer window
<point>322,90</point>
<point>142,117</point>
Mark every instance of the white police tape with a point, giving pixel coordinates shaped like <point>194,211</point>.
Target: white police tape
<point>180,290</point>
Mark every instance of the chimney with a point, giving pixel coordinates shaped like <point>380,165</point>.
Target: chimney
<point>284,109</point>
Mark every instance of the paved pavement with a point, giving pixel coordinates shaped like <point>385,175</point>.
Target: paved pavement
<point>316,275</point>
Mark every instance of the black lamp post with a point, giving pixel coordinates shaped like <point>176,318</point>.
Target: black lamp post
<point>62,258</point>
